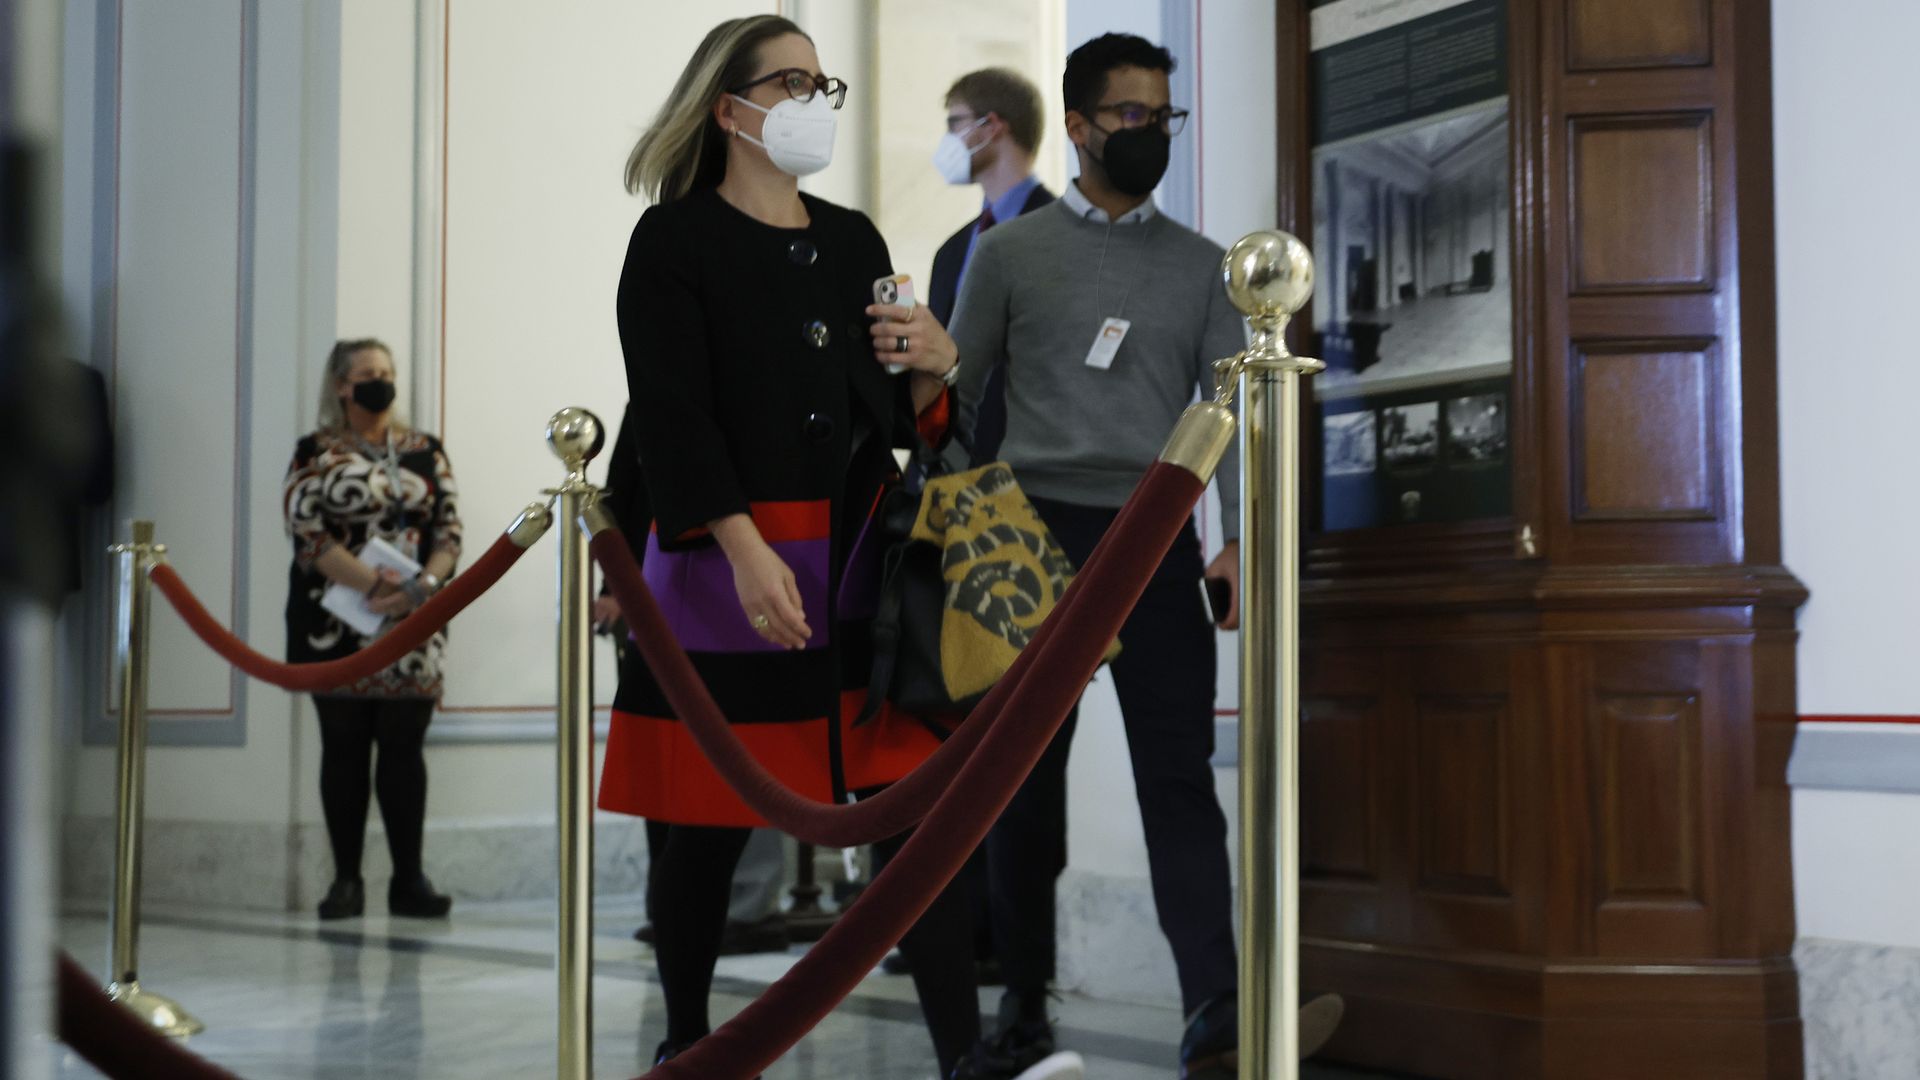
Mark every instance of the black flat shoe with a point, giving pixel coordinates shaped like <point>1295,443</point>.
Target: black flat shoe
<point>347,899</point>
<point>416,899</point>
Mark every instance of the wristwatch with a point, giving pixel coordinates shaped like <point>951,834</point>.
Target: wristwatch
<point>420,588</point>
<point>951,376</point>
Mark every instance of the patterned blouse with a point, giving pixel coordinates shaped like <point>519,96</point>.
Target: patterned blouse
<point>342,489</point>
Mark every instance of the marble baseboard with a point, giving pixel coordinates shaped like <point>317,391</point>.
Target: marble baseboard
<point>1860,1007</point>
<point>272,867</point>
<point>230,864</point>
<point>1111,947</point>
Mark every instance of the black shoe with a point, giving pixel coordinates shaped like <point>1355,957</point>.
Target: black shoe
<point>415,899</point>
<point>644,934</point>
<point>983,1063</point>
<point>347,899</point>
<point>896,964</point>
<point>1211,1046</point>
<point>1024,1035</point>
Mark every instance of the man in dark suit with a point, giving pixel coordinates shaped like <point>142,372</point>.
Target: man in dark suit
<point>994,124</point>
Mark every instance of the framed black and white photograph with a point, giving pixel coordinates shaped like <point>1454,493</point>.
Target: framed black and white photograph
<point>1477,429</point>
<point>1411,238</point>
<point>1410,435</point>
<point>1350,444</point>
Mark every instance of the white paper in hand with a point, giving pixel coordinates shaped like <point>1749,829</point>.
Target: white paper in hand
<point>350,605</point>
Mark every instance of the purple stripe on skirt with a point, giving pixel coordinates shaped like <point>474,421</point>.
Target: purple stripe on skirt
<point>696,594</point>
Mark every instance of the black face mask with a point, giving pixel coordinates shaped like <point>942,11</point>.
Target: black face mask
<point>374,395</point>
<point>1135,159</point>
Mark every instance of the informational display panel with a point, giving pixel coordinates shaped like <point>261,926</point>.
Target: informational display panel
<point>1413,311</point>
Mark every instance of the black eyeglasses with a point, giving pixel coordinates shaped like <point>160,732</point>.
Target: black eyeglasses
<point>801,85</point>
<point>1134,114</point>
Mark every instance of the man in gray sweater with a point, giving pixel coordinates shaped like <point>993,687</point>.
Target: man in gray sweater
<point>1107,317</point>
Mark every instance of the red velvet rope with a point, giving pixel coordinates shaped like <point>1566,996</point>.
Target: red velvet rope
<point>115,1041</point>
<point>889,813</point>
<point>1110,585</point>
<point>406,636</point>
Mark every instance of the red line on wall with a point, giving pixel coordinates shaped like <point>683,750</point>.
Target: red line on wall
<point>1913,720</point>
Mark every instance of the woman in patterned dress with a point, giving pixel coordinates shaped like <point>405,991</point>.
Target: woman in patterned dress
<point>365,475</point>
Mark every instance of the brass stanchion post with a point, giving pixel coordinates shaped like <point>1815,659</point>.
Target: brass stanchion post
<point>1269,276</point>
<point>575,436</point>
<point>132,659</point>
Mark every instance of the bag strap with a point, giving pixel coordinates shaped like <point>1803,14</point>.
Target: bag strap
<point>898,511</point>
<point>886,634</point>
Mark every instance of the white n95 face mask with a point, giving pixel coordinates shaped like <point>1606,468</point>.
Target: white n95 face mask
<point>798,135</point>
<point>954,158</point>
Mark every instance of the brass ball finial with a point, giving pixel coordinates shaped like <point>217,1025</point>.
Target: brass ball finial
<point>575,436</point>
<point>1268,275</point>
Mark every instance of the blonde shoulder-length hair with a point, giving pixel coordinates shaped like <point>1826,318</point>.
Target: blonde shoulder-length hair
<point>333,415</point>
<point>684,150</point>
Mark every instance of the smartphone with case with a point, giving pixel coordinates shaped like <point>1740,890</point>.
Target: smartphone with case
<point>894,289</point>
<point>1219,598</point>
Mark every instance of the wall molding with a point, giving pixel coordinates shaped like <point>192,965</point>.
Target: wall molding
<point>1882,754</point>
<point>429,213</point>
<point>211,726</point>
<point>479,729</point>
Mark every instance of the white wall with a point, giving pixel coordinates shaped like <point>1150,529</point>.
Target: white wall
<point>241,190</point>
<point>1847,223</point>
<point>180,245</point>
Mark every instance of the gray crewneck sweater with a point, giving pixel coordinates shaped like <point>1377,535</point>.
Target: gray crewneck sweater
<point>1034,298</point>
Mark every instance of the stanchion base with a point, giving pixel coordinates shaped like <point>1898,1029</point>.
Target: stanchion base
<point>805,927</point>
<point>159,1012</point>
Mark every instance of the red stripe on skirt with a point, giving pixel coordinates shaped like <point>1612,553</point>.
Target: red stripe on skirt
<point>810,519</point>
<point>655,770</point>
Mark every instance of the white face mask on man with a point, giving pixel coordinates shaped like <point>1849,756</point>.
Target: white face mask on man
<point>954,158</point>
<point>798,135</point>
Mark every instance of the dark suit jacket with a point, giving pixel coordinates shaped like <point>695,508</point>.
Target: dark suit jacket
<point>943,292</point>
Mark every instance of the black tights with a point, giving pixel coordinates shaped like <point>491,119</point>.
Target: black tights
<point>349,728</point>
<point>687,896</point>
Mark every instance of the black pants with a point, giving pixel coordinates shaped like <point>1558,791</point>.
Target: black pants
<point>349,730</point>
<point>1165,681</point>
<point>687,894</point>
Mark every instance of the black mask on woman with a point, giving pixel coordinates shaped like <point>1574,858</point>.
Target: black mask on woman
<point>374,395</point>
<point>1135,159</point>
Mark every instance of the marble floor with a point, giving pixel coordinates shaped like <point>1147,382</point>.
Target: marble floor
<point>286,996</point>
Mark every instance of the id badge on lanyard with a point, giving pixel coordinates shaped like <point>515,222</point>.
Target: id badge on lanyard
<point>1106,344</point>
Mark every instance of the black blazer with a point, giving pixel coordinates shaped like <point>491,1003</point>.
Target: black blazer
<point>625,494</point>
<point>749,363</point>
<point>753,388</point>
<point>944,290</point>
